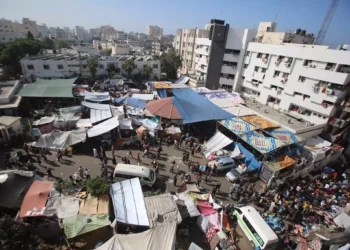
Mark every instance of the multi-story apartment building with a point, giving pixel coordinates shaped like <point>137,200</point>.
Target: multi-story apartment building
<point>70,65</point>
<point>95,32</point>
<point>43,30</point>
<point>154,30</point>
<point>108,32</point>
<point>61,33</point>
<point>306,81</point>
<point>10,30</point>
<point>121,49</point>
<point>121,36</point>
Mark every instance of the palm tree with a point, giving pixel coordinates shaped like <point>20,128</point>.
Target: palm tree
<point>147,70</point>
<point>92,65</point>
<point>129,66</point>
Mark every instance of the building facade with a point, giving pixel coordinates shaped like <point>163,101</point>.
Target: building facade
<point>154,30</point>
<point>11,30</point>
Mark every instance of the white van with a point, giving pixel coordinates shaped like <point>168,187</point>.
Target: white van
<point>255,228</point>
<point>126,171</point>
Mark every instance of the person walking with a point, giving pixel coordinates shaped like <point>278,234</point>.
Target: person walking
<point>59,155</point>
<point>87,174</point>
<point>130,154</point>
<point>213,193</point>
<point>145,153</point>
<point>39,160</point>
<point>182,178</point>
<point>192,151</point>
<point>172,166</point>
<point>138,157</point>
<point>218,186</point>
<point>49,173</point>
<point>81,172</point>
<point>199,180</point>
<point>175,180</point>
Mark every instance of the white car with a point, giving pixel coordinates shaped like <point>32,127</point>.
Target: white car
<point>224,163</point>
<point>235,173</point>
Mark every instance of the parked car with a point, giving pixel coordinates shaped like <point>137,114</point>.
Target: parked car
<point>237,173</point>
<point>223,163</point>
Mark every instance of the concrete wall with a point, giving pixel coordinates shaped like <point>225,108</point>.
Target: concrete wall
<point>120,50</point>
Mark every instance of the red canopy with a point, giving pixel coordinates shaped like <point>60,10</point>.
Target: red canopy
<point>164,108</point>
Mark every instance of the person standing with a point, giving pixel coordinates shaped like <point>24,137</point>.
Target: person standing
<point>59,155</point>
<point>49,173</point>
<point>130,154</point>
<point>87,174</point>
<point>138,157</point>
<point>145,153</point>
<point>182,178</point>
<point>218,186</point>
<point>114,161</point>
<point>95,152</point>
<point>81,172</point>
<point>113,149</point>
<point>175,180</point>
<point>192,151</point>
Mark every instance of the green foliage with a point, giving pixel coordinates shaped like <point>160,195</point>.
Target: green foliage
<point>30,35</point>
<point>97,186</point>
<point>107,52</point>
<point>92,65</point>
<point>48,43</point>
<point>68,186</point>
<point>170,63</point>
<point>99,47</point>
<point>17,235</point>
<point>60,43</point>
<point>129,66</point>
<point>15,50</point>
<point>147,70</point>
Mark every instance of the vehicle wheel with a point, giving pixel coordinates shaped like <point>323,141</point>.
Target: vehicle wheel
<point>252,244</point>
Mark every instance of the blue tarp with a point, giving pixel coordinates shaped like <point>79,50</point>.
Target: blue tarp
<point>162,93</point>
<point>195,108</point>
<point>136,103</point>
<point>119,100</point>
<point>249,159</point>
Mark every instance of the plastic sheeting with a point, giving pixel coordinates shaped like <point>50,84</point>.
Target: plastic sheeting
<point>67,207</point>
<point>217,142</point>
<point>249,158</point>
<point>128,202</point>
<point>191,207</point>
<point>195,108</point>
<point>237,126</point>
<point>261,143</point>
<point>182,80</point>
<point>103,127</point>
<point>125,125</point>
<point>44,120</point>
<point>162,93</point>
<point>97,97</point>
<point>284,135</point>
<point>97,115</point>
<point>151,125</point>
<point>134,102</point>
<point>61,140</point>
<point>285,161</point>
<point>95,105</point>
<point>145,97</point>
<point>205,208</point>
<point>84,123</point>
<point>164,108</point>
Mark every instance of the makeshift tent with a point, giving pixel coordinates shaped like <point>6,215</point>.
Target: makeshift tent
<point>151,125</point>
<point>161,237</point>
<point>92,105</point>
<point>217,142</point>
<point>134,102</point>
<point>162,93</point>
<point>284,135</point>
<point>205,208</point>
<point>259,122</point>
<point>162,85</point>
<point>213,221</point>
<point>35,199</point>
<point>84,123</point>
<point>125,124</point>
<point>182,80</point>
<point>128,202</point>
<point>97,97</point>
<point>97,115</point>
<point>162,209</point>
<point>44,120</point>
<point>65,122</point>
<point>67,207</point>
<point>48,88</point>
<point>93,205</point>
<point>249,158</point>
<point>36,132</point>
<point>317,143</point>
<point>61,140</point>
<point>145,97</point>
<point>194,108</point>
<point>70,111</point>
<point>191,207</point>
<point>103,127</point>
<point>237,126</point>
<point>285,161</point>
<point>261,143</point>
<point>81,224</point>
<point>164,108</point>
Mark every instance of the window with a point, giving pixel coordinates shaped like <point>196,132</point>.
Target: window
<point>123,176</point>
<point>256,69</point>
<point>252,230</point>
<point>301,79</point>
<point>46,66</point>
<point>247,53</point>
<point>30,66</point>
<point>155,66</point>
<point>285,75</point>
<point>245,66</point>
<point>277,73</point>
<point>307,62</point>
<point>60,66</point>
<point>101,66</point>
<point>330,66</point>
<point>263,70</point>
<point>259,55</point>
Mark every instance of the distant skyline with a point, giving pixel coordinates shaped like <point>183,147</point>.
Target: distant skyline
<point>136,15</point>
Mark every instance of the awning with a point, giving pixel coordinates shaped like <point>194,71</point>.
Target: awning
<point>97,97</point>
<point>60,139</point>
<point>128,202</point>
<point>261,143</point>
<point>96,105</point>
<point>103,127</point>
<point>284,135</point>
<point>84,123</point>
<point>145,97</point>
<point>162,237</point>
<point>44,120</point>
<point>237,126</point>
<point>97,115</point>
<point>217,142</point>
<point>134,102</point>
<point>259,122</point>
<point>164,108</point>
<point>35,199</point>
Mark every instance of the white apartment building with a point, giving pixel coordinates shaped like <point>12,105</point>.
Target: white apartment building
<point>121,36</point>
<point>121,49</point>
<point>304,81</point>
<point>10,30</point>
<point>154,30</point>
<point>43,30</point>
<point>108,33</point>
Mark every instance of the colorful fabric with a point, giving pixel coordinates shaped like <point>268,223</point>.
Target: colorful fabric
<point>237,126</point>
<point>259,122</point>
<point>261,143</point>
<point>210,234</point>
<point>285,161</point>
<point>205,208</point>
<point>284,135</point>
<point>161,85</point>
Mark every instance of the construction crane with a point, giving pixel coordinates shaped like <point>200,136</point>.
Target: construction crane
<point>327,20</point>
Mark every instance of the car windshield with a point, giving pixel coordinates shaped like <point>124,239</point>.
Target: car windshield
<point>151,175</point>
<point>235,172</point>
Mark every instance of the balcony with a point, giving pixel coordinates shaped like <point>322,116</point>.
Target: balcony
<point>202,51</point>
<point>283,66</point>
<point>252,85</point>
<point>231,57</point>
<point>201,69</point>
<point>324,75</point>
<point>306,103</point>
<point>260,62</point>
<point>202,60</point>
<point>197,81</point>
<point>226,81</point>
<point>229,69</point>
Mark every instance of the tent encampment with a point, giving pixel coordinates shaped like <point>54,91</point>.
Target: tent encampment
<point>60,139</point>
<point>164,108</point>
<point>97,97</point>
<point>217,142</point>
<point>103,127</point>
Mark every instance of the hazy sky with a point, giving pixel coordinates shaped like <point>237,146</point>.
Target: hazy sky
<point>135,15</point>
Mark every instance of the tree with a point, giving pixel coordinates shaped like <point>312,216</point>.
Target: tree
<point>17,235</point>
<point>48,43</point>
<point>107,52</point>
<point>92,65</point>
<point>30,35</point>
<point>60,43</point>
<point>170,63</point>
<point>129,66</point>
<point>147,70</point>
<point>15,50</point>
<point>97,186</point>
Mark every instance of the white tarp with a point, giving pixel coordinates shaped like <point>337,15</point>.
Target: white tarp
<point>129,204</point>
<point>317,143</point>
<point>125,124</point>
<point>145,97</point>
<point>162,237</point>
<point>84,123</point>
<point>151,125</point>
<point>236,152</point>
<point>60,139</point>
<point>44,120</point>
<point>97,97</point>
<point>103,127</point>
<point>67,207</point>
<point>343,220</point>
<point>70,110</point>
<point>95,105</point>
<point>117,111</point>
<point>217,142</point>
<point>97,115</point>
<point>182,80</point>
<point>191,207</point>
<point>193,246</point>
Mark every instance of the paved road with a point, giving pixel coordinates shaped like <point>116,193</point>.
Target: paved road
<point>62,170</point>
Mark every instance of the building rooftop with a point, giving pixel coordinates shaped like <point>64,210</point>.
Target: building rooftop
<point>8,120</point>
<point>56,57</point>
